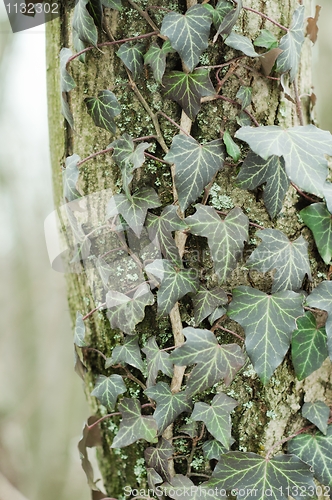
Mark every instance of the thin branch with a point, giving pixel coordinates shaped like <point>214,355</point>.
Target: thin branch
<point>93,155</point>
<point>86,348</point>
<point>267,18</point>
<point>145,15</point>
<point>149,155</point>
<point>227,99</point>
<point>302,193</point>
<point>93,311</point>
<point>173,123</point>
<point>218,326</point>
<point>298,104</point>
<point>109,415</point>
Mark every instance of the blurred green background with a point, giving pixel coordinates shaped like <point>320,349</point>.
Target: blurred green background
<point>42,405</point>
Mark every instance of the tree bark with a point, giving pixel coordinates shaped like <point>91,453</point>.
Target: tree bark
<point>265,414</point>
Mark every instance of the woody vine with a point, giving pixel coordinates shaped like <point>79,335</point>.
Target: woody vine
<point>217,332</point>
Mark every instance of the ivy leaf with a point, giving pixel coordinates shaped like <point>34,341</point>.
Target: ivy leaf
<point>175,283</point>
<point>112,4</point>
<point>107,390</point>
<point>83,23</point>
<point>133,425</point>
<point>133,209</point>
<point>205,302</point>
<point>315,450</point>
<point>217,417</point>
<point>70,177</point>
<point>90,438</point>
<point>182,488</point>
<point>319,221</point>
<point>309,349</point>
<point>158,458</point>
<point>154,478</point>
<point>65,109</point>
<point>244,95</point>
<point>187,89</point>
<point>267,478</point>
<point>213,449</point>
<point>169,405</point>
<point>321,297</point>
<point>291,45</point>
<point>129,353</point>
<point>103,109</point>
<point>225,237</point>
<point>289,258</point>
<point>160,232</point>
<point>156,360</point>
<point>195,166</point>
<point>156,58</point>
<point>229,21</point>
<point>256,171</point>
<point>188,33</point>
<point>132,57</point>
<point>268,321</point>
<point>67,82</point>
<point>232,148</point>
<point>213,361</point>
<point>78,46</point>
<point>317,413</point>
<point>79,336</point>
<point>303,149</point>
<point>222,8</point>
<point>242,43</point>
<point>125,312</point>
<point>217,314</point>
<point>266,39</point>
<point>95,9</point>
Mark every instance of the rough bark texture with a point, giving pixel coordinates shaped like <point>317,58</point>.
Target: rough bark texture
<point>265,414</point>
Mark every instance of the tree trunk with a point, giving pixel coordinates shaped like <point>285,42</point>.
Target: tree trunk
<point>265,413</point>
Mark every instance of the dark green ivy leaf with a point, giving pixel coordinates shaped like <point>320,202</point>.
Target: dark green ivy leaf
<point>129,353</point>
<point>321,297</point>
<point>83,23</point>
<point>225,237</point>
<point>195,166</point>
<point>70,177</point>
<point>315,450</point>
<point>154,478</point>
<point>242,43</point>
<point>156,360</point>
<point>256,171</point>
<point>268,322</point>
<point>125,312</point>
<point>213,361</point>
<point>222,8</point>
<point>266,39</point>
<point>232,148</point>
<point>187,89</point>
<point>317,413</point>
<point>67,82</point>
<point>132,57</point>
<point>79,336</point>
<point>319,221</point>
<point>158,458</point>
<point>188,33</point>
<point>229,21</point>
<point>206,301</point>
<point>156,58</point>
<point>291,45</point>
<point>249,472</point>
<point>244,95</point>
<point>289,258</point>
<point>133,425</point>
<point>112,4</point>
<point>182,488</point>
<point>160,232</point>
<point>303,149</point>
<point>217,417</point>
<point>133,209</point>
<point>190,428</point>
<point>213,449</point>
<point>78,46</point>
<point>169,405</point>
<point>309,349</point>
<point>217,314</point>
<point>175,283</point>
<point>107,390</point>
<point>103,109</point>
<point>95,9</point>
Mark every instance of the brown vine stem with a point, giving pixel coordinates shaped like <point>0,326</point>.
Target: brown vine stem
<point>266,17</point>
<point>93,311</point>
<point>86,348</point>
<point>302,193</point>
<point>113,42</point>
<point>145,16</point>
<point>218,326</point>
<point>282,441</point>
<point>93,155</point>
<point>224,98</point>
<point>109,415</point>
<point>173,123</point>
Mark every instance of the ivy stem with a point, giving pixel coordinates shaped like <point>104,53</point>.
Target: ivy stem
<point>199,475</point>
<point>298,104</point>
<point>105,44</point>
<point>144,14</point>
<point>86,348</point>
<point>93,311</point>
<point>133,378</point>
<point>93,155</point>
<point>224,98</point>
<point>174,123</point>
<point>266,17</point>
<point>109,415</point>
<point>149,155</point>
<point>302,193</point>
<point>282,441</point>
<point>218,326</point>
